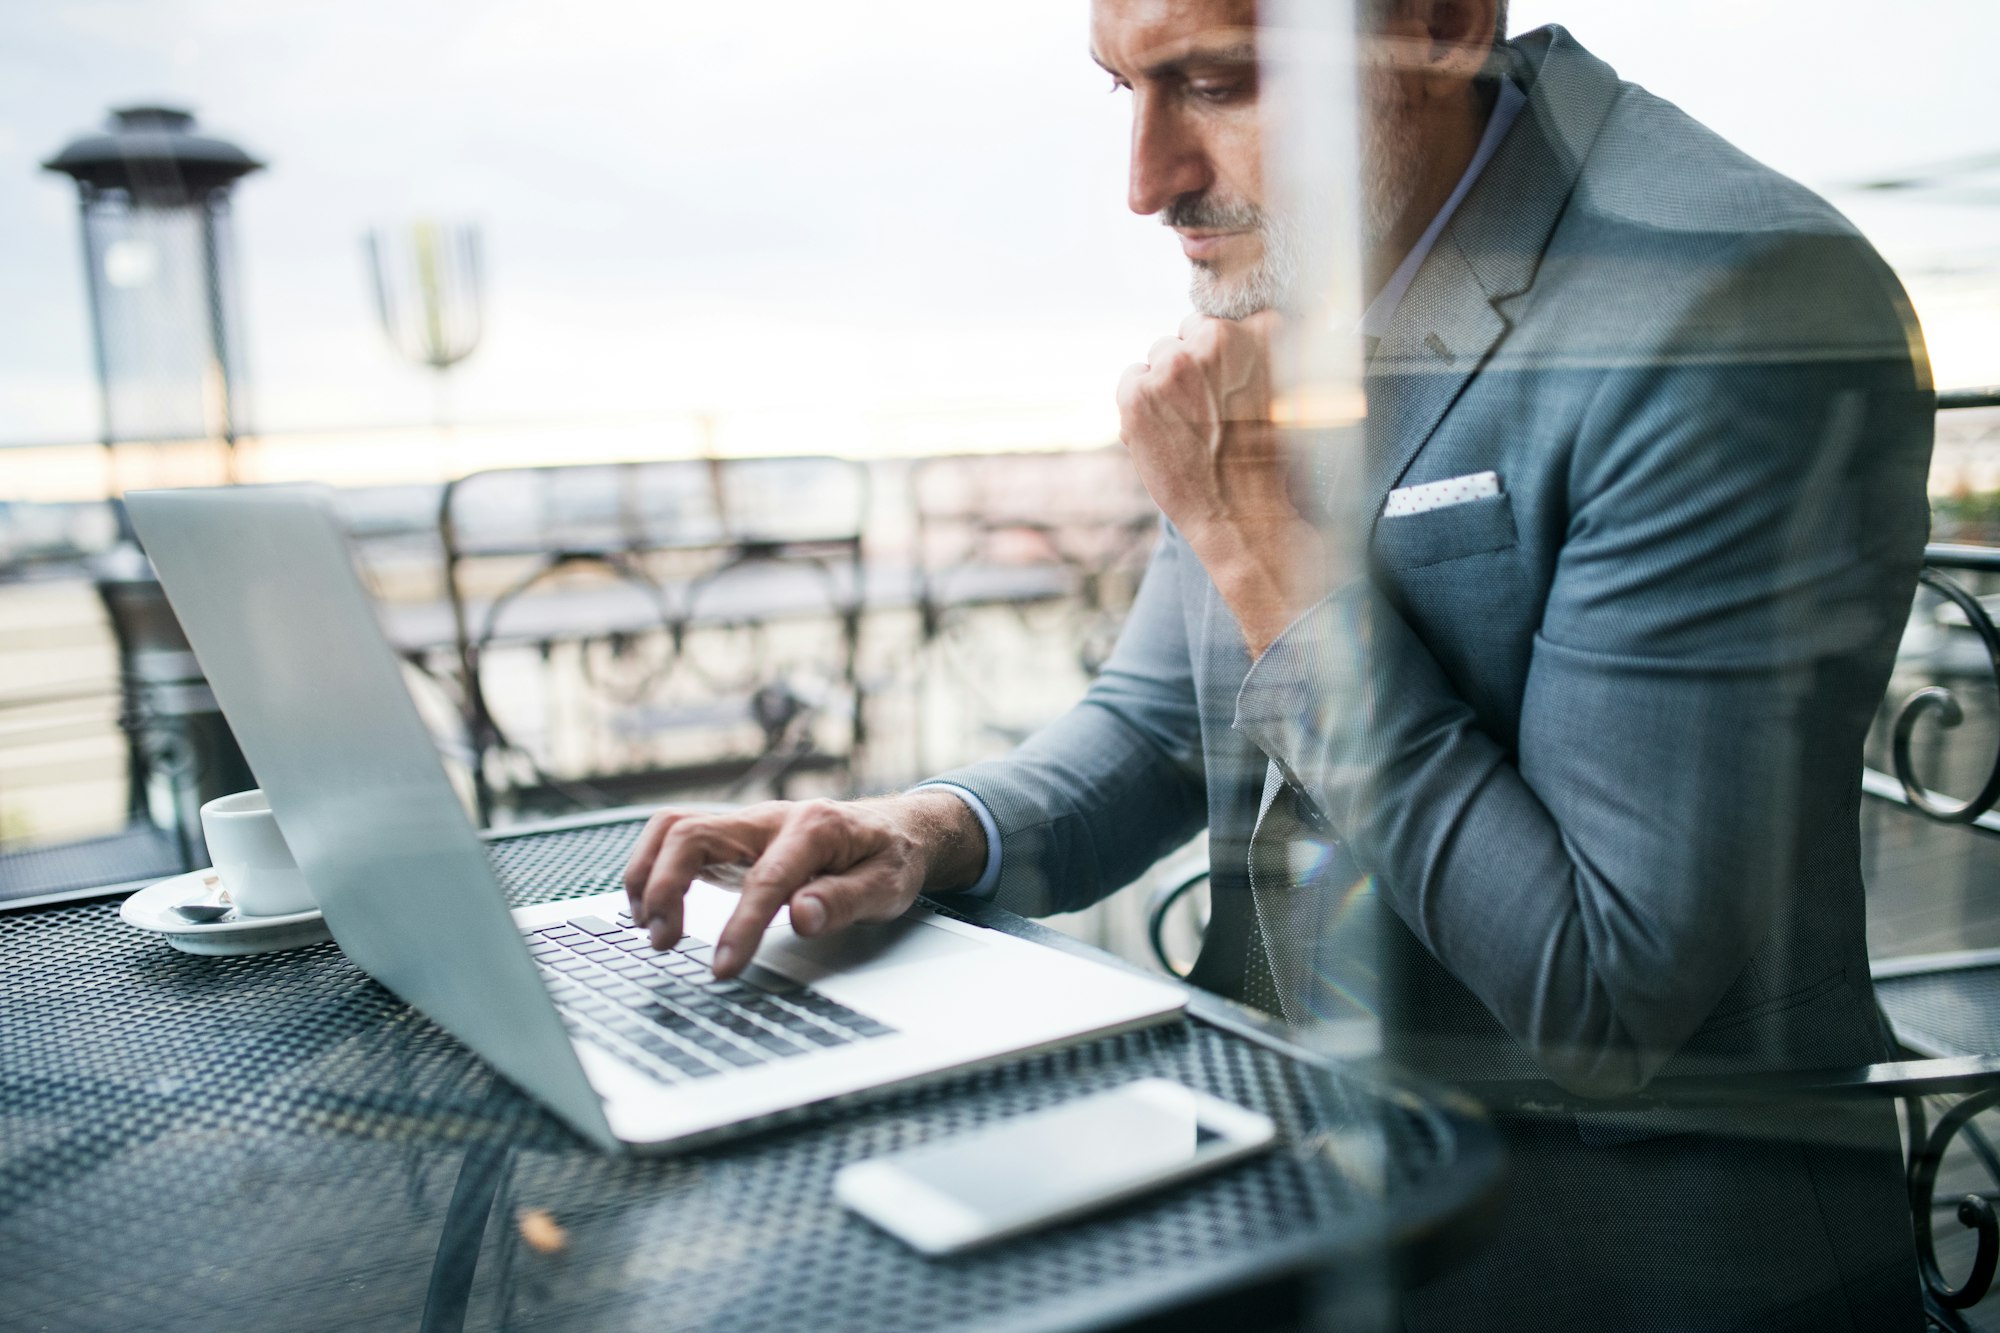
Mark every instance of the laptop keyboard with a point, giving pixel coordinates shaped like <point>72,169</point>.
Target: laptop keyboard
<point>667,1013</point>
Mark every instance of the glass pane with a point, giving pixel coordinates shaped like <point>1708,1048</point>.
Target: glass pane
<point>1458,589</point>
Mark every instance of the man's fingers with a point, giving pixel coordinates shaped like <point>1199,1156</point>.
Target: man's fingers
<point>806,855</point>
<point>1164,351</point>
<point>688,846</point>
<point>679,859</point>
<point>640,865</point>
<point>1128,385</point>
<point>810,841</point>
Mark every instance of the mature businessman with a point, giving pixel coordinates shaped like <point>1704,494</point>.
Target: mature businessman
<point>1648,427</point>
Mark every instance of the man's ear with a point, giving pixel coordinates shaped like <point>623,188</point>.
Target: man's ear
<point>1446,40</point>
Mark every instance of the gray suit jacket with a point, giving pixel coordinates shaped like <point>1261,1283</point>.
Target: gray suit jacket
<point>1585,754</point>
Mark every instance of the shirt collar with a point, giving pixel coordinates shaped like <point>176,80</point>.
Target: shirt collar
<point>1506,107</point>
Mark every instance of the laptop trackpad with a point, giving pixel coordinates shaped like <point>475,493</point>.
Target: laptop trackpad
<point>871,946</point>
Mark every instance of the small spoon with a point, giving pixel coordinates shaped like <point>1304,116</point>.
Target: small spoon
<point>205,912</point>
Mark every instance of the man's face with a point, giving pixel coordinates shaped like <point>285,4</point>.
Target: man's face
<point>1197,159</point>
<point>1191,68</point>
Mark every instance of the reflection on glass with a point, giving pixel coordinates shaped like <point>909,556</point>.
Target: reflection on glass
<point>1563,780</point>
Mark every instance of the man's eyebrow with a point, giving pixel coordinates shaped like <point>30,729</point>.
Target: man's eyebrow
<point>1236,53</point>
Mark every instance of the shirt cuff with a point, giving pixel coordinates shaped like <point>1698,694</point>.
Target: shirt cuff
<point>989,878</point>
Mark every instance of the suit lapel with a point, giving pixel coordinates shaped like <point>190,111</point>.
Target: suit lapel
<point>1451,319</point>
<point>1443,330</point>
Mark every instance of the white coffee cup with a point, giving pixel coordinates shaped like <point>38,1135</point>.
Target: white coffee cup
<point>250,855</point>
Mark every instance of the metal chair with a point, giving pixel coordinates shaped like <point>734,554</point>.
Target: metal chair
<point>1024,529</point>
<point>630,567</point>
<point>53,713</point>
<point>1045,547</point>
<point>177,741</point>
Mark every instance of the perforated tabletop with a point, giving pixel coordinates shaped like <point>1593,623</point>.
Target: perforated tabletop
<point>276,1142</point>
<point>1948,1011</point>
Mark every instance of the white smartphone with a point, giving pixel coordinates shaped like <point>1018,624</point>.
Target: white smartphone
<point>1049,1165</point>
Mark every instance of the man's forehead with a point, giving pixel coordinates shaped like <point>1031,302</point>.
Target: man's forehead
<point>1136,36</point>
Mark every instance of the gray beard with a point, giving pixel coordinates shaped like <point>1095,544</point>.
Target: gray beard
<point>1271,285</point>
<point>1389,174</point>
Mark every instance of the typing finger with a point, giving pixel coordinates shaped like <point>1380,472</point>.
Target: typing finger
<point>687,847</point>
<point>640,864</point>
<point>810,841</point>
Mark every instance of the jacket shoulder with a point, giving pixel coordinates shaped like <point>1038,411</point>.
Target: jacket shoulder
<point>1655,167</point>
<point>1678,246</point>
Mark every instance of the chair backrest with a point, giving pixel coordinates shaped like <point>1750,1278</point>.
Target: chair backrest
<point>644,549</point>
<point>1080,489</point>
<point>1084,510</point>
<point>681,504</point>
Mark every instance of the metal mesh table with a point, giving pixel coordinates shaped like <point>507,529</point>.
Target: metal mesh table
<point>276,1142</point>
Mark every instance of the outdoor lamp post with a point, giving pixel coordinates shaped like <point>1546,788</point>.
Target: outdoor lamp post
<point>159,269</point>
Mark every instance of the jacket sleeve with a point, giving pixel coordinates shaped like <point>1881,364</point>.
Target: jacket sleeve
<point>1742,539</point>
<point>1099,794</point>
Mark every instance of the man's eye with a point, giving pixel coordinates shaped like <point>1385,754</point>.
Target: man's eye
<point>1119,85</point>
<point>1219,92</point>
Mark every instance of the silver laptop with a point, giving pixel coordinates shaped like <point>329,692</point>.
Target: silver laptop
<point>631,1046</point>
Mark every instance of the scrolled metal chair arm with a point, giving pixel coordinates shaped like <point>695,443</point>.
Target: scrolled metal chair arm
<point>1974,1212</point>
<point>1163,901</point>
<point>1939,700</point>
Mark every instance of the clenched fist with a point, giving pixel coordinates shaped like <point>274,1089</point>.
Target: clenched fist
<point>1196,418</point>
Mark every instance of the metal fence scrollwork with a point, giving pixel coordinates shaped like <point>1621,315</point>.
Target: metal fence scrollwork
<point>1975,1212</point>
<point>1938,700</point>
<point>1952,572</point>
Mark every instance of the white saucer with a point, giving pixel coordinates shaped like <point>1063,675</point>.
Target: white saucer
<point>152,909</point>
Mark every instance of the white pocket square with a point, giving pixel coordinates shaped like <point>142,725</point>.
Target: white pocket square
<point>1431,495</point>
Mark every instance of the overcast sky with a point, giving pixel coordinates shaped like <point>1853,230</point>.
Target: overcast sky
<point>892,208</point>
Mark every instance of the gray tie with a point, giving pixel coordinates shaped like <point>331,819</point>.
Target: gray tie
<point>1318,921</point>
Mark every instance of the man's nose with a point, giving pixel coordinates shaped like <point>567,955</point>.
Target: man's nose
<point>1167,160</point>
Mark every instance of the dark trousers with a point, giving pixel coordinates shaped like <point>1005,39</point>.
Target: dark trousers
<point>1793,1219</point>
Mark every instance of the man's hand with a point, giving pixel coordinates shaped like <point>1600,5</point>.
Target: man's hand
<point>832,862</point>
<point>1196,417</point>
